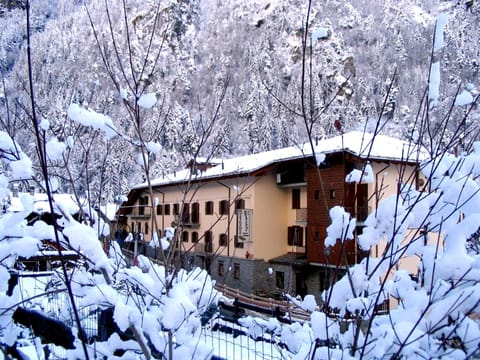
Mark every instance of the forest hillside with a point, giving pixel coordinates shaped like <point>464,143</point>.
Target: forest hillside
<point>232,67</point>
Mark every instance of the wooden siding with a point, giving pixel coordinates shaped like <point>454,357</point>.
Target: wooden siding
<point>335,192</point>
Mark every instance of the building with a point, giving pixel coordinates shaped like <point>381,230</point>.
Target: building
<point>258,222</point>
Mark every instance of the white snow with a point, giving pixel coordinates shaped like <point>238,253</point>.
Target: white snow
<point>44,124</point>
<point>309,303</point>
<point>153,147</point>
<point>92,119</point>
<point>55,149</point>
<point>21,169</point>
<point>363,176</point>
<point>464,98</point>
<point>355,142</point>
<point>320,33</point>
<point>342,226</point>
<point>165,243</point>
<point>441,22</point>
<point>147,101</point>
<point>6,142</point>
<point>154,242</point>
<point>124,93</point>
<point>84,238</point>
<point>420,16</point>
<point>434,84</point>
<point>320,158</point>
<point>70,142</point>
<point>41,230</point>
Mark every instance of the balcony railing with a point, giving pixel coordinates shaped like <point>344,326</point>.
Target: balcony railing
<point>143,211</point>
<point>188,220</point>
<point>204,247</point>
<point>199,247</point>
<point>296,249</point>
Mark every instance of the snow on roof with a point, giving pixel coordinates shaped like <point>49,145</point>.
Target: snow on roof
<point>357,143</point>
<point>41,204</point>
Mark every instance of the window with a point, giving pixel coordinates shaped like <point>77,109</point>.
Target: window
<point>208,241</point>
<point>316,236</point>
<point>295,236</point>
<point>195,215</point>
<point>146,228</point>
<point>280,279</point>
<point>222,240</point>
<point>317,194</point>
<point>332,194</point>
<point>209,208</point>
<point>194,237</point>
<point>139,227</point>
<point>236,271</point>
<point>176,209</point>
<point>185,236</point>
<point>295,198</point>
<point>224,207</point>
<point>221,268</point>
<point>237,244</point>
<point>186,213</point>
<point>239,204</point>
<point>166,209</point>
<point>143,203</point>
<point>159,209</point>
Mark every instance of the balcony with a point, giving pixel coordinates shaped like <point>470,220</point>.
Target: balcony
<point>204,247</point>
<point>199,248</point>
<point>188,221</point>
<point>296,249</point>
<point>141,212</point>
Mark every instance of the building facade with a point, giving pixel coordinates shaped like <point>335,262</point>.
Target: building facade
<point>258,222</point>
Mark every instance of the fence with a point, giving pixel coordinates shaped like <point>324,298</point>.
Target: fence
<point>283,310</point>
<point>231,341</point>
<point>228,339</point>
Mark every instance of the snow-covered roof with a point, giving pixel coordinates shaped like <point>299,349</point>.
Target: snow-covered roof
<point>40,202</point>
<point>363,145</point>
<point>67,202</point>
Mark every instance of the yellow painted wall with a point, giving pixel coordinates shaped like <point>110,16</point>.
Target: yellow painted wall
<point>387,182</point>
<point>271,205</point>
<point>214,191</point>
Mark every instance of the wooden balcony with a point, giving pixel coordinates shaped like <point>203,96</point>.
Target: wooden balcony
<point>296,249</point>
<point>188,221</point>
<point>141,212</point>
